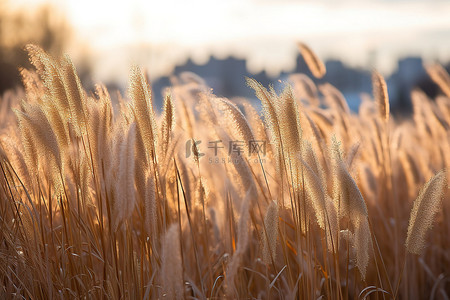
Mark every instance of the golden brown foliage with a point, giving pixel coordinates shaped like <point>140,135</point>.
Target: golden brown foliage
<point>97,204</point>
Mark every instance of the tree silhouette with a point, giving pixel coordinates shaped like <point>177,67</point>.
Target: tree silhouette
<point>45,26</point>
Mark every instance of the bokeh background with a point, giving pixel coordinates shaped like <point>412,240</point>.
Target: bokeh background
<point>223,41</point>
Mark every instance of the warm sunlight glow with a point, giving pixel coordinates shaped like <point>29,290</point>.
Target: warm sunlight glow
<point>264,32</point>
<point>225,149</point>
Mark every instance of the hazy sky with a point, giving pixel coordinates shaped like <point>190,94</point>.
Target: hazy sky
<point>159,34</point>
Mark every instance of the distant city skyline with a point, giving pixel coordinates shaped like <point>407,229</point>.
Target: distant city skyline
<point>227,78</point>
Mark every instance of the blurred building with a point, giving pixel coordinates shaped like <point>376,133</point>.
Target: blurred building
<point>406,77</point>
<point>226,77</point>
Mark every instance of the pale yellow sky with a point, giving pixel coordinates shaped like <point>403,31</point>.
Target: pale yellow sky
<point>159,34</point>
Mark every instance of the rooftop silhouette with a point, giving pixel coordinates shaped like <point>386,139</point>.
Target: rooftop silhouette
<point>227,78</point>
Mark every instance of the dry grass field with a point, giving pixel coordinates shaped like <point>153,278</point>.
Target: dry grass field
<point>214,199</point>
